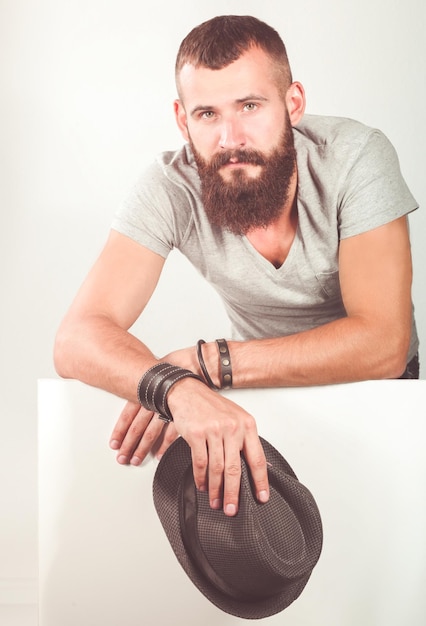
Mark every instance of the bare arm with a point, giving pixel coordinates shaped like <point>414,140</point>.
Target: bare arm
<point>370,343</point>
<point>93,345</point>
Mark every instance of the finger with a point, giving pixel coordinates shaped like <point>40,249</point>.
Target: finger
<point>147,441</point>
<point>168,436</point>
<point>231,478</point>
<point>127,415</point>
<point>199,464</point>
<point>135,431</point>
<point>216,464</point>
<point>256,461</point>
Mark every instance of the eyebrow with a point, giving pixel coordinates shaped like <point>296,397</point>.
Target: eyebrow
<point>248,98</point>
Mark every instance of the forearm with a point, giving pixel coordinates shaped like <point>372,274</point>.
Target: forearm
<point>100,353</point>
<point>346,350</point>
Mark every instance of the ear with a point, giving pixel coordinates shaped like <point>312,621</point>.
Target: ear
<point>296,102</point>
<point>180,116</point>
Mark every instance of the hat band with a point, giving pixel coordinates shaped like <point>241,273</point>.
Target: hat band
<point>189,531</point>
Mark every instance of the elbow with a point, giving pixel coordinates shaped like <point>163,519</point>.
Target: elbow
<point>62,353</point>
<point>396,356</point>
<point>396,367</point>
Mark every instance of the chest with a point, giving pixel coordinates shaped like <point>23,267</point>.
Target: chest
<point>272,249</point>
<point>274,242</point>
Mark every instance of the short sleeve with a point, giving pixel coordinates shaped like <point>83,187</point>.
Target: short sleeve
<point>374,192</point>
<point>149,213</point>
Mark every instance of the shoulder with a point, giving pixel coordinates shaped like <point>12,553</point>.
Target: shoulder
<point>160,207</point>
<point>322,130</point>
<point>177,167</point>
<point>342,141</point>
<point>169,181</point>
<point>333,147</point>
<point>349,172</point>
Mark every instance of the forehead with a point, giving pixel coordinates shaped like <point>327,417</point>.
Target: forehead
<point>253,72</point>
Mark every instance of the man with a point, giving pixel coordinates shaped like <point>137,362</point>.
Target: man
<point>298,221</point>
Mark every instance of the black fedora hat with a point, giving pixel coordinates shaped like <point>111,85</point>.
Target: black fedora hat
<point>252,565</point>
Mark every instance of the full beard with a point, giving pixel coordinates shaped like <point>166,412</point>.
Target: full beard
<point>244,203</point>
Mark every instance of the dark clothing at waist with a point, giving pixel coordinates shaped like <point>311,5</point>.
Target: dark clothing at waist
<point>412,369</point>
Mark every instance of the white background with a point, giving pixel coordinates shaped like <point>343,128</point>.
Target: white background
<point>86,99</point>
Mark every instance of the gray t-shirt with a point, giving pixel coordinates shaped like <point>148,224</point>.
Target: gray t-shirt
<point>349,182</point>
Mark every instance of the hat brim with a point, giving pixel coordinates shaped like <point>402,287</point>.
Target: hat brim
<point>167,487</point>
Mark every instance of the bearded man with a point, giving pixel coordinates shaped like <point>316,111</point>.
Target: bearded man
<point>298,221</point>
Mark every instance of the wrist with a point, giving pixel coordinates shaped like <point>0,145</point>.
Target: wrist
<point>183,396</point>
<point>215,366</point>
<point>155,385</point>
<point>224,364</point>
<point>208,364</point>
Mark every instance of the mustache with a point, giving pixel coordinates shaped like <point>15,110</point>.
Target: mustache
<point>241,156</point>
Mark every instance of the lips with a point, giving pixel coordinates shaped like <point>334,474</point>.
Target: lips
<point>237,158</point>
<point>236,163</point>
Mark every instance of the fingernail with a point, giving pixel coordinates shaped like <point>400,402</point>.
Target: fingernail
<point>159,457</point>
<point>122,459</point>
<point>114,444</point>
<point>230,509</point>
<point>135,460</point>
<point>202,488</point>
<point>263,496</point>
<point>216,504</point>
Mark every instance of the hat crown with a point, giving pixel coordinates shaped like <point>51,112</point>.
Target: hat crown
<point>254,564</point>
<point>254,553</point>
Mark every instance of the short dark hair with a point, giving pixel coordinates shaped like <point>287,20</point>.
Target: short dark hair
<point>222,40</point>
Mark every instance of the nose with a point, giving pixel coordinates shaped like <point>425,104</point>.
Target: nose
<point>231,135</point>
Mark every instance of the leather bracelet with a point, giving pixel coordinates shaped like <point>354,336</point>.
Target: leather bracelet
<point>203,367</point>
<point>225,364</point>
<point>155,385</point>
<point>146,384</point>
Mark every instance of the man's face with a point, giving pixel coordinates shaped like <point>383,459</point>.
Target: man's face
<point>240,202</point>
<point>237,124</point>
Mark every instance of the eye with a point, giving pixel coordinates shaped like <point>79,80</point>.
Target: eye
<point>207,115</point>
<point>250,106</point>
